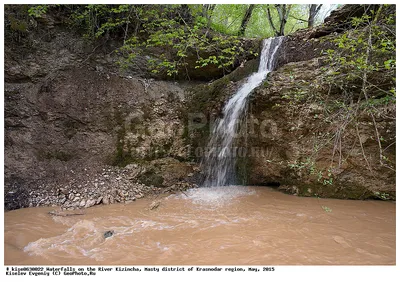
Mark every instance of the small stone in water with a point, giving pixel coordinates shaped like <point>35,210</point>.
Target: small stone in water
<point>108,233</point>
<point>155,205</point>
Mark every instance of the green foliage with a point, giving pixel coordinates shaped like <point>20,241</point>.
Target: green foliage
<point>96,19</point>
<point>363,52</point>
<point>227,18</point>
<point>382,196</point>
<point>18,25</point>
<point>155,27</point>
<point>38,11</point>
<point>309,167</point>
<point>227,50</point>
<point>100,19</point>
<point>326,209</point>
<point>181,30</point>
<point>329,179</point>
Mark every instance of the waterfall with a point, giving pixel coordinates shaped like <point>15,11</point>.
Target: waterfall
<point>219,160</point>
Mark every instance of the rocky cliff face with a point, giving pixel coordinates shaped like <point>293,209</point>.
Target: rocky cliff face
<point>73,122</point>
<point>299,147</point>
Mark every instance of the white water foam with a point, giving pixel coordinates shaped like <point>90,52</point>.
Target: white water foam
<point>216,196</point>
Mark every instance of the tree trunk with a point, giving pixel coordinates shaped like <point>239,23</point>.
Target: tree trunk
<point>283,11</point>
<point>269,16</point>
<point>246,19</point>
<point>313,12</point>
<point>207,12</point>
<point>283,14</point>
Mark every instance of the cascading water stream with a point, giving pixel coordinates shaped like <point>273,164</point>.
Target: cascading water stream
<point>219,161</point>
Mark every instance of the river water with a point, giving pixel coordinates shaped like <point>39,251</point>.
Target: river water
<point>207,226</point>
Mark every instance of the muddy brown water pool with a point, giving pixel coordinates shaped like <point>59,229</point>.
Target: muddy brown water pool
<point>208,226</point>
